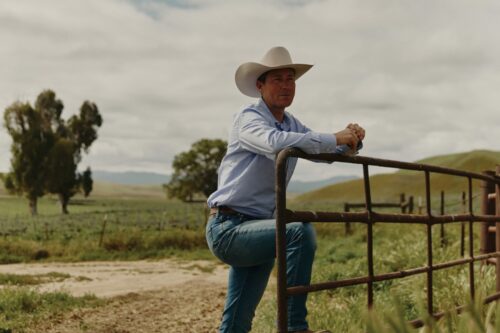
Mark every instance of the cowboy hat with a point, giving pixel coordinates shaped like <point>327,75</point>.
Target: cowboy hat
<point>276,58</point>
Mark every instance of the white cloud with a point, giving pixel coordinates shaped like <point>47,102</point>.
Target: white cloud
<point>420,76</point>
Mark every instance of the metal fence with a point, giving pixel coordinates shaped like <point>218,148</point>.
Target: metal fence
<point>369,217</point>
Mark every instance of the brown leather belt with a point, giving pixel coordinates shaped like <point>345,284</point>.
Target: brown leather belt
<point>223,210</point>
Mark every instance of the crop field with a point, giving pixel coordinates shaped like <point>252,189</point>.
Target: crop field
<point>118,229</point>
<point>104,229</point>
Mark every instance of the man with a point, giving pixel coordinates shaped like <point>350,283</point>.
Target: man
<point>241,228</point>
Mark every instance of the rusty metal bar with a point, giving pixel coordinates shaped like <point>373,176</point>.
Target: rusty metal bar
<point>386,276</point>
<point>429,242</point>
<point>378,205</point>
<point>281,241</point>
<point>487,239</point>
<point>441,229</point>
<point>471,244</point>
<point>369,217</point>
<point>369,242</point>
<point>497,233</point>
<point>362,217</point>
<point>417,323</point>
<point>292,152</point>
<point>462,227</point>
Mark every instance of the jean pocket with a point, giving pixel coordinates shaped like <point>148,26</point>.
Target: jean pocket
<point>214,231</point>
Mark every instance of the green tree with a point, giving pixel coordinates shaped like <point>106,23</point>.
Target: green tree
<point>74,137</point>
<point>31,143</point>
<point>46,150</point>
<point>87,182</point>
<point>195,171</point>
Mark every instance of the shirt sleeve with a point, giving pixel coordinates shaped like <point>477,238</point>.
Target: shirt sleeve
<point>258,136</point>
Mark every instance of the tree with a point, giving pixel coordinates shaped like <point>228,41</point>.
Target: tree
<point>61,176</point>
<point>46,150</point>
<point>87,182</point>
<point>31,143</point>
<point>78,134</point>
<point>195,171</point>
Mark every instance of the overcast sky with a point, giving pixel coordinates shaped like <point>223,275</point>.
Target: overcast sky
<point>422,77</point>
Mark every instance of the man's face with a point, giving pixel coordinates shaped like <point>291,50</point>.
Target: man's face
<point>278,89</point>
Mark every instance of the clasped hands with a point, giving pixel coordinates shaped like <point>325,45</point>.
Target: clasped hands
<point>350,136</point>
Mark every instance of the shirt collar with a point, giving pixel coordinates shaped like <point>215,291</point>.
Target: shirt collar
<point>262,107</point>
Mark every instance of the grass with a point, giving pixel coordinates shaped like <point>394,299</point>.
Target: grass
<point>104,229</point>
<point>396,247</point>
<point>21,308</point>
<point>30,279</point>
<point>128,229</point>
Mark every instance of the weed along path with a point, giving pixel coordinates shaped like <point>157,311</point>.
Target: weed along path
<point>140,296</point>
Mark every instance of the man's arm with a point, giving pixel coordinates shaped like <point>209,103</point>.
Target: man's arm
<point>258,136</point>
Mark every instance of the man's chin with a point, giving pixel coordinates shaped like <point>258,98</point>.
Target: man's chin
<point>286,102</point>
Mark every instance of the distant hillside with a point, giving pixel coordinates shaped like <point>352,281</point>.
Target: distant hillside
<point>130,177</point>
<point>386,187</point>
<point>297,186</point>
<point>151,178</point>
<point>111,190</point>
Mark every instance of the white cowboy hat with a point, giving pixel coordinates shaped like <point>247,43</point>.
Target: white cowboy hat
<point>278,57</point>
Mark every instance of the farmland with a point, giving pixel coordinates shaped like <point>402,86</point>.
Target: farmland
<point>120,226</point>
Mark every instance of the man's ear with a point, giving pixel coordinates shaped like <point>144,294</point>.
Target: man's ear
<point>258,84</point>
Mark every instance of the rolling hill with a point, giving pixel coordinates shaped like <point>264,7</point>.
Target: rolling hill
<point>387,187</point>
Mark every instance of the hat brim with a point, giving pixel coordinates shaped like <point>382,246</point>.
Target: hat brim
<point>247,74</point>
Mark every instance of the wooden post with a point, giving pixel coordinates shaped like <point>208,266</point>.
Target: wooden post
<point>101,239</point>
<point>402,201</point>
<point>46,231</point>
<point>419,205</point>
<point>348,229</point>
<point>410,205</point>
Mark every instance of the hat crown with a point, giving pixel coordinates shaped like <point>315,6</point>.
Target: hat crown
<point>277,56</point>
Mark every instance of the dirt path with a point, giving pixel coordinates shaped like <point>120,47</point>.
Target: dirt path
<point>157,296</point>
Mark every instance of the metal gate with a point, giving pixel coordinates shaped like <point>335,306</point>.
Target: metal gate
<point>369,217</point>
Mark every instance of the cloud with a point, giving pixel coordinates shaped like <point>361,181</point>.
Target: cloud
<point>421,77</point>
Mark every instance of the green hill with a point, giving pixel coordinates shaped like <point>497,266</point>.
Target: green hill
<point>111,190</point>
<point>387,187</point>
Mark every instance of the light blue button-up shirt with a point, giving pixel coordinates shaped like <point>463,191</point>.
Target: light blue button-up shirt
<point>246,174</point>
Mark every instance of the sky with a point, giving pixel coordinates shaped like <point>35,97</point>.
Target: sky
<point>422,77</point>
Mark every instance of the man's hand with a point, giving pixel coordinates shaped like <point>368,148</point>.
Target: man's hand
<point>350,136</point>
<point>358,130</point>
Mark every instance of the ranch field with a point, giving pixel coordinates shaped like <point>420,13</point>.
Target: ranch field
<point>142,265</point>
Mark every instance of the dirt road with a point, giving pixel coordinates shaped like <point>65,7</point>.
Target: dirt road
<point>143,296</point>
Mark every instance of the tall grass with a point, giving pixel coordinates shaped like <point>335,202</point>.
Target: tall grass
<point>102,230</point>
<point>21,308</point>
<point>396,247</point>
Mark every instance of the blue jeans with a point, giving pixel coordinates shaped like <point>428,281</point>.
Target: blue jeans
<point>249,246</point>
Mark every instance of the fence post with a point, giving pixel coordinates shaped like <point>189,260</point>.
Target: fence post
<point>101,239</point>
<point>46,231</point>
<point>497,204</point>
<point>443,241</point>
<point>410,205</point>
<point>348,229</point>
<point>402,201</point>
<point>462,226</point>
<point>487,239</point>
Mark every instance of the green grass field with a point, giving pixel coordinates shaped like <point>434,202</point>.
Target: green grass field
<point>121,223</point>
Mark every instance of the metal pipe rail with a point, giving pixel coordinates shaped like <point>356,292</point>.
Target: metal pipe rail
<point>369,217</point>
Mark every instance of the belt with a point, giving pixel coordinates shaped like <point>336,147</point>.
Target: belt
<point>222,209</point>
